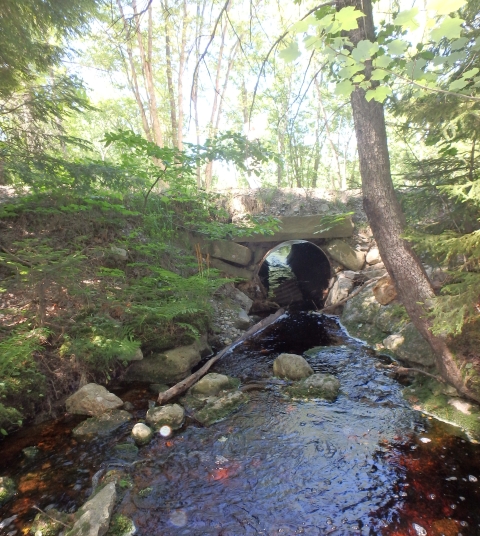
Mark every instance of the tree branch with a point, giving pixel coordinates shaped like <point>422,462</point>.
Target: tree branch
<point>265,59</point>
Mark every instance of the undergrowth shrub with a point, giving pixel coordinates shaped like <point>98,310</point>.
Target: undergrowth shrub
<point>21,384</point>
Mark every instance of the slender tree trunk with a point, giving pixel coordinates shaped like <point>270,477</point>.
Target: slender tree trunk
<point>384,212</point>
<point>329,135</point>
<point>211,129</point>
<point>131,72</point>
<point>146,61</point>
<point>171,92</point>
<point>181,71</point>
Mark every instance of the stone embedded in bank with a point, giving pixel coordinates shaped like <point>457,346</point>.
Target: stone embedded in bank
<point>101,426</point>
<point>92,399</point>
<point>291,367</point>
<point>230,252</point>
<point>343,253</point>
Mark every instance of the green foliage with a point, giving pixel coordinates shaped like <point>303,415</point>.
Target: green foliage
<point>98,342</point>
<point>19,375</point>
<point>329,221</point>
<point>121,526</point>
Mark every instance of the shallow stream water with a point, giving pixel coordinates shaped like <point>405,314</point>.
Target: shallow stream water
<point>365,464</point>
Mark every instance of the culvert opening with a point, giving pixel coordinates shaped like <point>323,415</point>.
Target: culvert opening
<point>296,274</point>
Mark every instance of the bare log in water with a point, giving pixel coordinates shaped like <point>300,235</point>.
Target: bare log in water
<point>185,384</point>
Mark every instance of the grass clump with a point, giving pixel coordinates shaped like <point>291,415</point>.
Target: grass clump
<point>121,526</point>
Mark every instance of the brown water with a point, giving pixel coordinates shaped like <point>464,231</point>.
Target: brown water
<point>277,466</point>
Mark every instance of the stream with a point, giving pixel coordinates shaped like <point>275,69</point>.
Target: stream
<point>364,464</point>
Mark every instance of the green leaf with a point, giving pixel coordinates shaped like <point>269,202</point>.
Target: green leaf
<point>358,78</point>
<point>379,74</point>
<point>364,50</point>
<point>347,18</point>
<point>382,61</point>
<point>406,19</point>
<point>347,72</point>
<point>397,47</point>
<point>458,84</point>
<point>313,41</point>
<point>291,53</point>
<point>459,44</point>
<point>444,7</point>
<point>379,94</point>
<point>414,69</point>
<point>471,73</point>
<point>450,28</point>
<point>303,25</point>
<point>344,88</point>
<point>3,431</point>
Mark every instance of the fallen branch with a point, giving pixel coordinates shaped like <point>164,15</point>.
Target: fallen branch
<point>406,370</point>
<point>350,296</point>
<point>51,517</point>
<point>14,257</point>
<point>185,384</point>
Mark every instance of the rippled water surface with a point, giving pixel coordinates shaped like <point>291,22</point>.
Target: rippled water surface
<point>365,464</point>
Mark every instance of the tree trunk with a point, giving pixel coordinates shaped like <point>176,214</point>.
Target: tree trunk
<point>171,92</point>
<point>146,62</point>
<point>181,71</point>
<point>385,215</point>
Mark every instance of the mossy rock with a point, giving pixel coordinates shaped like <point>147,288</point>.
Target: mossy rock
<point>7,489</point>
<point>391,318</point>
<point>51,524</point>
<point>323,386</point>
<point>220,408</point>
<point>430,396</point>
<point>121,526</point>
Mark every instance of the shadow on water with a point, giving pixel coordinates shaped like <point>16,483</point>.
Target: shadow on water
<point>365,464</point>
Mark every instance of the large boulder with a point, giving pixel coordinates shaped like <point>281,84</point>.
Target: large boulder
<point>92,399</point>
<point>291,367</point>
<point>230,252</point>
<point>93,518</point>
<point>171,415</point>
<point>101,426</point>
<point>343,253</point>
<point>211,384</point>
<point>170,366</point>
<point>411,347</point>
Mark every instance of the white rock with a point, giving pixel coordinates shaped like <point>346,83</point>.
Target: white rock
<point>462,406</point>
<point>142,434</point>
<point>373,256</point>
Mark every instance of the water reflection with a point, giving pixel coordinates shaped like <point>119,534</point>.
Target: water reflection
<point>366,464</point>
